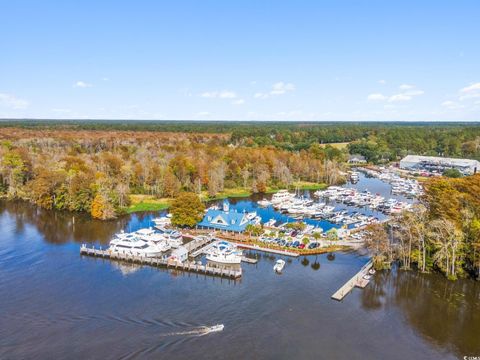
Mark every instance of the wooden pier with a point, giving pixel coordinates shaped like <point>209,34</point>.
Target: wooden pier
<point>197,243</point>
<point>355,281</point>
<point>158,262</point>
<point>264,249</point>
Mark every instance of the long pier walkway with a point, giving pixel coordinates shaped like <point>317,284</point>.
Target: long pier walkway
<point>356,281</point>
<point>158,262</point>
<point>259,248</point>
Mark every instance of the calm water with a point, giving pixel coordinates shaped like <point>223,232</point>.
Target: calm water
<point>56,304</point>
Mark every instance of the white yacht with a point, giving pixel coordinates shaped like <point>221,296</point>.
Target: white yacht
<point>149,234</point>
<point>224,252</point>
<point>131,244</point>
<point>279,265</point>
<point>162,221</point>
<point>282,196</point>
<point>173,238</point>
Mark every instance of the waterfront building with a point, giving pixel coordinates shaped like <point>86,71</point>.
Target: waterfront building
<point>439,164</point>
<point>225,219</point>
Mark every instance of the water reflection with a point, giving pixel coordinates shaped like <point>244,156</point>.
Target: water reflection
<point>60,227</point>
<point>445,312</point>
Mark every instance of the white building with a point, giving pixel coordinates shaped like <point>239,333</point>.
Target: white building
<point>439,164</point>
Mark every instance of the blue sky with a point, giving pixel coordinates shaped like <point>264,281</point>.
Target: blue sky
<point>240,60</point>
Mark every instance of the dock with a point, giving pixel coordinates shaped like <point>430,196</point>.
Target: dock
<point>356,281</point>
<point>264,249</point>
<point>197,244</point>
<point>204,249</point>
<point>159,262</point>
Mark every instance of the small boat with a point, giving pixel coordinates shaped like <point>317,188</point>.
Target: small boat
<point>371,271</point>
<point>214,328</point>
<point>279,265</point>
<point>367,276</point>
<point>264,203</point>
<point>270,222</point>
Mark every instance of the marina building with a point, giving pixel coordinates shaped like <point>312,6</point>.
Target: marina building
<point>226,220</point>
<point>439,164</point>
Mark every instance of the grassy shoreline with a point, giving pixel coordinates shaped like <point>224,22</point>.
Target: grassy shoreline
<point>142,203</point>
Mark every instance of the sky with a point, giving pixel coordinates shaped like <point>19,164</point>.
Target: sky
<point>332,60</point>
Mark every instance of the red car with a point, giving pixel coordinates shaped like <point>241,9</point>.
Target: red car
<point>301,246</point>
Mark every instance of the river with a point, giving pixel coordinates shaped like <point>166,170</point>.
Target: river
<point>57,304</point>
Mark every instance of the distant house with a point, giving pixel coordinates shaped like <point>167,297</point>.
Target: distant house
<point>225,220</point>
<point>357,159</point>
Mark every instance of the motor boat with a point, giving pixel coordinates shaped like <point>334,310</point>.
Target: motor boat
<point>214,328</point>
<point>271,222</point>
<point>162,221</point>
<point>282,196</point>
<point>131,244</point>
<point>225,253</point>
<point>279,265</point>
<point>264,203</point>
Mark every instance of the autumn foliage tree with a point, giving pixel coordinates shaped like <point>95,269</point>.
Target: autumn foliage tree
<point>187,210</point>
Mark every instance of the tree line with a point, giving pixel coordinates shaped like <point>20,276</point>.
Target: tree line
<point>96,171</point>
<point>441,233</point>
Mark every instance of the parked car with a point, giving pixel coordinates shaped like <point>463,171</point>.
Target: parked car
<point>301,246</point>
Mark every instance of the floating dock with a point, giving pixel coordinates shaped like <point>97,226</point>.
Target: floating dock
<point>158,262</point>
<point>355,281</point>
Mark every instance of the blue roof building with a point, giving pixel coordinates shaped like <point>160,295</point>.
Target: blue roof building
<point>225,220</point>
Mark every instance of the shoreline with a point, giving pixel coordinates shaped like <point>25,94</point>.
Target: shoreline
<point>145,203</point>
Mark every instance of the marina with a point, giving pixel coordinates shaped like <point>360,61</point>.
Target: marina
<point>157,262</point>
<point>209,251</point>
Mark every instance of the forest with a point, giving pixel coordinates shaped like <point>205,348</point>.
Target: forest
<point>377,141</point>
<point>101,171</point>
<point>442,232</point>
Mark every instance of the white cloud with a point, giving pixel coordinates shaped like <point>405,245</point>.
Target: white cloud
<point>224,94</point>
<point>12,102</point>
<point>471,88</point>
<point>383,82</point>
<point>399,97</point>
<point>404,87</point>
<point>279,88</point>
<point>407,93</point>
<point>470,92</point>
<point>82,84</point>
<point>452,105</point>
<point>413,92</point>
<point>377,97</point>
<point>238,102</point>
<point>260,96</point>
